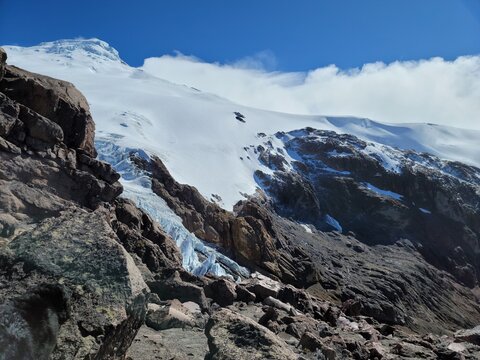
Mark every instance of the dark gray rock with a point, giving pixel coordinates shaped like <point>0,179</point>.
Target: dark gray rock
<point>244,295</point>
<point>3,60</point>
<point>233,336</point>
<point>222,291</point>
<point>172,314</point>
<point>99,303</point>
<point>174,287</point>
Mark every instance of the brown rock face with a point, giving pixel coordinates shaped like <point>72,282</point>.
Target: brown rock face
<point>222,292</point>
<point>56,100</point>
<point>140,235</point>
<point>249,236</point>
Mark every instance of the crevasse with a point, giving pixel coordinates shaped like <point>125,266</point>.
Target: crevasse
<point>198,257</point>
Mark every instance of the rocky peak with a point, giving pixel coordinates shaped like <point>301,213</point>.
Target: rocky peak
<point>93,48</point>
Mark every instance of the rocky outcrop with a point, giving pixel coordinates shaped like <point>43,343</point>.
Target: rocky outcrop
<point>40,173</point>
<point>381,194</point>
<point>142,236</point>
<point>3,61</point>
<point>56,100</point>
<point>247,236</point>
<point>100,292</point>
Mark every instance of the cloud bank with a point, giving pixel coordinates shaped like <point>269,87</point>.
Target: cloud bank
<point>427,91</point>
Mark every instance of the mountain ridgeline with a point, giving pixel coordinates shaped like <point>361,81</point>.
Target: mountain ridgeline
<point>345,247</point>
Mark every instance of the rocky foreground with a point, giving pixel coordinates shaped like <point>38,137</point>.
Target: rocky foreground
<point>86,274</point>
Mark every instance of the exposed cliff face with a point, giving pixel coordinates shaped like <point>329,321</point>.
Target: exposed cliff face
<point>3,61</point>
<point>381,194</point>
<point>248,236</point>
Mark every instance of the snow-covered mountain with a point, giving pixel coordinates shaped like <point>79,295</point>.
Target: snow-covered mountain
<point>204,139</point>
<point>360,245</point>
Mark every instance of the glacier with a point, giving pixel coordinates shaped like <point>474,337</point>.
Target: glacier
<point>138,188</point>
<point>196,133</point>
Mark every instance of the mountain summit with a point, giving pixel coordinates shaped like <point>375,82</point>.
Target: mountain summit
<point>95,48</point>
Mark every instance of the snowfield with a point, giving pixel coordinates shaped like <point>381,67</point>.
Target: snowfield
<point>196,134</point>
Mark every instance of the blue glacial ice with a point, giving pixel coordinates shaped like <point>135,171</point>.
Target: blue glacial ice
<point>137,187</point>
<point>330,220</point>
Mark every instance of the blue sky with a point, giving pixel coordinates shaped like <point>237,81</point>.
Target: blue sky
<point>295,35</point>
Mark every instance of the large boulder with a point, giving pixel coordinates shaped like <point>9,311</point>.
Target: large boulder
<point>262,286</point>
<point>73,290</point>
<point>222,291</point>
<point>232,336</point>
<point>174,287</point>
<point>170,315</point>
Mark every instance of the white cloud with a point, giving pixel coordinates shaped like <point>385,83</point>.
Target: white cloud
<point>263,60</point>
<point>434,90</point>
